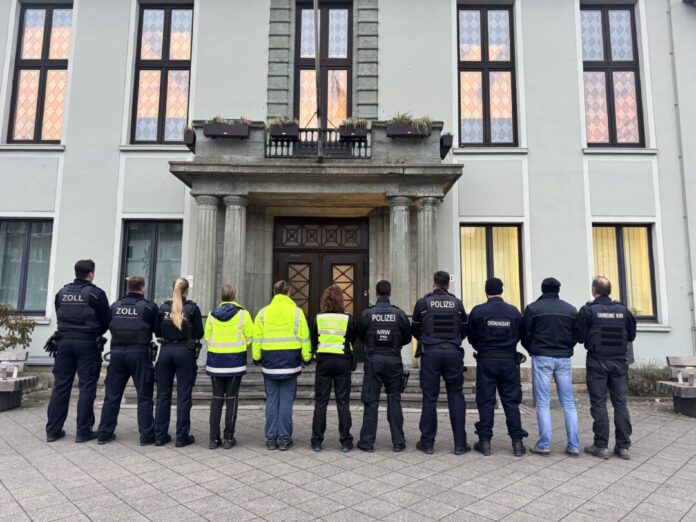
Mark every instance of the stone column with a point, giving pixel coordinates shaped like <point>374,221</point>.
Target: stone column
<point>400,252</point>
<point>427,246</point>
<point>234,249</point>
<point>204,273</point>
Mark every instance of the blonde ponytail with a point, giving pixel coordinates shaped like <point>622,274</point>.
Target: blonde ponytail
<point>180,289</point>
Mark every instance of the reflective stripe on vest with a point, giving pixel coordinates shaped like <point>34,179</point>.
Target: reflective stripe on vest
<point>238,369</point>
<point>229,347</point>
<point>281,371</point>
<point>332,333</point>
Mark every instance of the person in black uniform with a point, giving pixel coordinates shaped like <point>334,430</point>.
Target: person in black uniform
<point>179,326</point>
<point>440,325</point>
<point>333,334</point>
<point>133,321</point>
<point>494,331</point>
<point>385,329</point>
<point>606,328</point>
<point>83,316</point>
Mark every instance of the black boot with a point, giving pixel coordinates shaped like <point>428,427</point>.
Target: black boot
<point>518,448</point>
<point>484,447</point>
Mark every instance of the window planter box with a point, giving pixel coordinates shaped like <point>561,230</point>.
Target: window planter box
<point>352,133</point>
<point>190,139</point>
<point>289,132</point>
<point>404,130</point>
<point>238,131</point>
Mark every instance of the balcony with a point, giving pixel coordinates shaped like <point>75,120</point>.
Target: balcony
<point>307,145</point>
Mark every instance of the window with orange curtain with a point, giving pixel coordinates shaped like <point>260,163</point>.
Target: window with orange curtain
<point>335,30</point>
<point>623,253</point>
<point>490,251</point>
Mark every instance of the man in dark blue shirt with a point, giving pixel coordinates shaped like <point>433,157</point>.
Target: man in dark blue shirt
<point>82,310</point>
<point>494,331</point>
<point>439,324</point>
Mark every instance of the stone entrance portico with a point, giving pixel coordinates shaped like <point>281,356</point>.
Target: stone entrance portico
<point>398,186</point>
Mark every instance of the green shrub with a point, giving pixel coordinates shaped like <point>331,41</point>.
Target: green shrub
<point>15,330</point>
<point>642,378</point>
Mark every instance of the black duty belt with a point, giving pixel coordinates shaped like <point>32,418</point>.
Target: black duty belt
<point>383,351</point>
<point>129,347</point>
<point>495,355</point>
<point>79,336</point>
<point>440,346</point>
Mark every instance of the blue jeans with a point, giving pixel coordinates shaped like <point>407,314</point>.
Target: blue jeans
<point>280,394</point>
<point>559,369</point>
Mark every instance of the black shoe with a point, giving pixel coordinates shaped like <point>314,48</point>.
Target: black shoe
<point>622,453</point>
<point>398,448</point>
<point>420,447</point>
<point>460,450</point>
<point>147,442</point>
<point>284,444</point>
<point>106,440</point>
<point>57,436</point>
<point>346,448</point>
<point>161,442</point>
<point>84,438</point>
<point>186,442</point>
<point>518,449</point>
<point>316,447</point>
<point>602,453</point>
<point>271,444</point>
<point>214,444</point>
<point>484,447</point>
<point>368,449</point>
<point>229,443</point>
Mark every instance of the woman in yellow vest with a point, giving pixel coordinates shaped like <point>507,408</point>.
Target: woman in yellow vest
<point>333,335</point>
<point>228,332</point>
<point>281,346</point>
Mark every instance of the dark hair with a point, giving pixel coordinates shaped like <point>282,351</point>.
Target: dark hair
<point>135,283</point>
<point>281,287</point>
<point>383,288</point>
<point>602,286</point>
<point>332,300</point>
<point>228,293</point>
<point>441,279</point>
<point>83,268</point>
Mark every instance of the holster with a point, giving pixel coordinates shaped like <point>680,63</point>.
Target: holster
<point>153,351</point>
<point>404,380</point>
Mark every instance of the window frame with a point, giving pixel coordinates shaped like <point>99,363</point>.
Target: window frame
<point>485,67</point>
<point>152,264</point>
<point>43,65</point>
<point>608,67</point>
<point>621,265</point>
<point>163,66</point>
<point>24,273</point>
<point>326,64</point>
<point>488,229</point>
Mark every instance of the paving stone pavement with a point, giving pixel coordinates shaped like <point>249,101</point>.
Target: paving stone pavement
<point>122,481</point>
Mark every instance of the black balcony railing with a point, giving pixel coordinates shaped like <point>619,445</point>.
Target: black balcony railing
<point>307,145</point>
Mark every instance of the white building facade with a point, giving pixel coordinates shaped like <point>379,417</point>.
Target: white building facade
<point>574,126</point>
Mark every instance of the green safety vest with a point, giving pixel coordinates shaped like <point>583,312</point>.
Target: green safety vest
<point>332,329</point>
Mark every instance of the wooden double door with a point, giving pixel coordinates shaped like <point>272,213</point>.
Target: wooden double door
<point>312,254</point>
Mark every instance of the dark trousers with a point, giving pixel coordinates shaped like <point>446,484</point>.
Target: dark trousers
<point>126,363</point>
<point>503,375</point>
<point>174,360</point>
<point>81,357</point>
<point>382,369</point>
<point>447,363</point>
<point>611,376</point>
<point>225,392</point>
<point>332,371</point>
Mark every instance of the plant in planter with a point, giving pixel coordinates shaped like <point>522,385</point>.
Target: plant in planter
<point>223,128</point>
<point>353,129</point>
<point>15,330</point>
<point>403,125</point>
<point>190,138</point>
<point>283,128</point>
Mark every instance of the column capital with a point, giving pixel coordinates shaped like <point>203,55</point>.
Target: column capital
<point>428,203</point>
<point>399,201</point>
<point>207,200</point>
<point>235,200</point>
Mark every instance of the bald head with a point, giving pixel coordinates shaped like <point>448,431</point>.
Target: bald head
<point>601,286</point>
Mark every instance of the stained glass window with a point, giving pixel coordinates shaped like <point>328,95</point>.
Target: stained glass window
<point>611,76</point>
<point>25,257</point>
<point>40,79</point>
<point>490,251</point>
<point>161,96</point>
<point>335,67</point>
<point>486,77</point>
<point>623,254</point>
